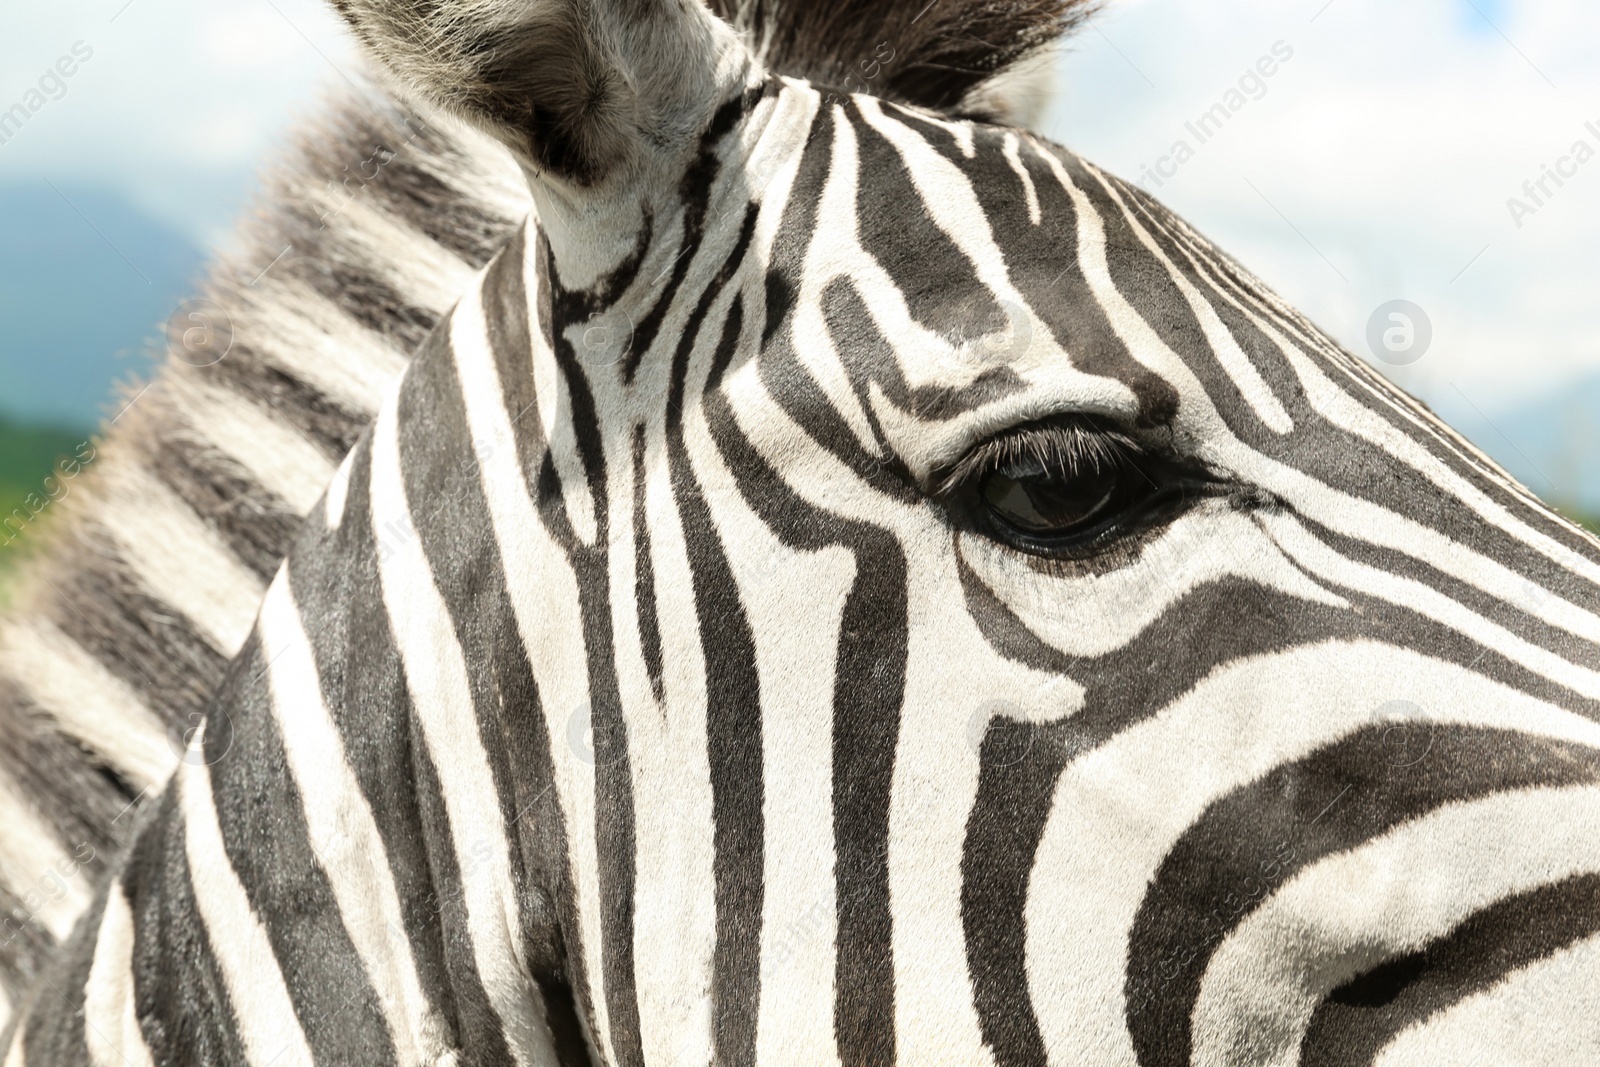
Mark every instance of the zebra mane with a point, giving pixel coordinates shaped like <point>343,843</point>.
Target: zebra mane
<point>947,55</point>
<point>146,574</point>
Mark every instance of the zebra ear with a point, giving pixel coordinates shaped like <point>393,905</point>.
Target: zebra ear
<point>579,89</point>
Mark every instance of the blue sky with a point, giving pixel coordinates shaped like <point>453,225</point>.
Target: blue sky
<point>1377,165</point>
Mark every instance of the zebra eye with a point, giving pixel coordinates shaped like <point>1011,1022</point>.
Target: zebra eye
<point>1061,488</point>
<point>1031,498</point>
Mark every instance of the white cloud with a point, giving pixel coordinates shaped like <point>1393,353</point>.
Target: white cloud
<point>181,102</point>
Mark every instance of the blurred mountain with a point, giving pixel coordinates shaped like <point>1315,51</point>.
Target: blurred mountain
<point>86,282</point>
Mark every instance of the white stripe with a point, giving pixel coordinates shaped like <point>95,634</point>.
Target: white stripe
<point>14,1058</point>
<point>110,1019</point>
<point>1392,895</point>
<point>436,673</point>
<point>1118,810</point>
<point>318,344</point>
<point>35,866</point>
<point>342,832</point>
<point>1320,560</point>
<point>1239,367</point>
<point>544,597</point>
<point>261,441</point>
<point>262,1011</point>
<point>338,494</point>
<point>1543,1015</point>
<point>87,701</point>
<point>179,559</point>
<point>1014,157</point>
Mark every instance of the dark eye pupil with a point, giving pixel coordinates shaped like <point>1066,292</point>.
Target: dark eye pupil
<point>1037,501</point>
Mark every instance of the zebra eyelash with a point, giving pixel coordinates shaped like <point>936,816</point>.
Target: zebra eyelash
<point>1072,448</point>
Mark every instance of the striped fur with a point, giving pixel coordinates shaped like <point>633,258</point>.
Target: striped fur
<point>149,578</point>
<point>654,686</point>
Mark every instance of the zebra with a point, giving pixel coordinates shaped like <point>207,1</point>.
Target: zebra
<point>851,581</point>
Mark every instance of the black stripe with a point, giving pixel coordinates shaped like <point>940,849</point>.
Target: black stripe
<point>254,525</point>
<point>180,998</point>
<point>1043,266</point>
<point>548,898</point>
<point>644,583</point>
<point>24,945</point>
<point>789,383</point>
<point>353,283</point>
<point>261,814</point>
<point>1004,632</point>
<point>935,277</point>
<point>1019,765</point>
<point>478,1026</point>
<point>451,517</point>
<point>869,686</point>
<point>1248,844</point>
<point>505,312</point>
<point>409,171</point>
<point>1361,1017</point>
<point>77,801</point>
<point>1525,620</point>
<point>325,423</point>
<point>57,1026</point>
<point>334,577</point>
<point>144,642</point>
<point>613,775</point>
<point>694,193</point>
<point>734,751</point>
<point>871,361</point>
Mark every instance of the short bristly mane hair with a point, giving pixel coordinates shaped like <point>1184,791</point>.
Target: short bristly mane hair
<point>946,53</point>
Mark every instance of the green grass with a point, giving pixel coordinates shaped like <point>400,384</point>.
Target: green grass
<point>27,454</point>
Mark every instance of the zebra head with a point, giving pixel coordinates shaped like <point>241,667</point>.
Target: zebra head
<point>928,605</point>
